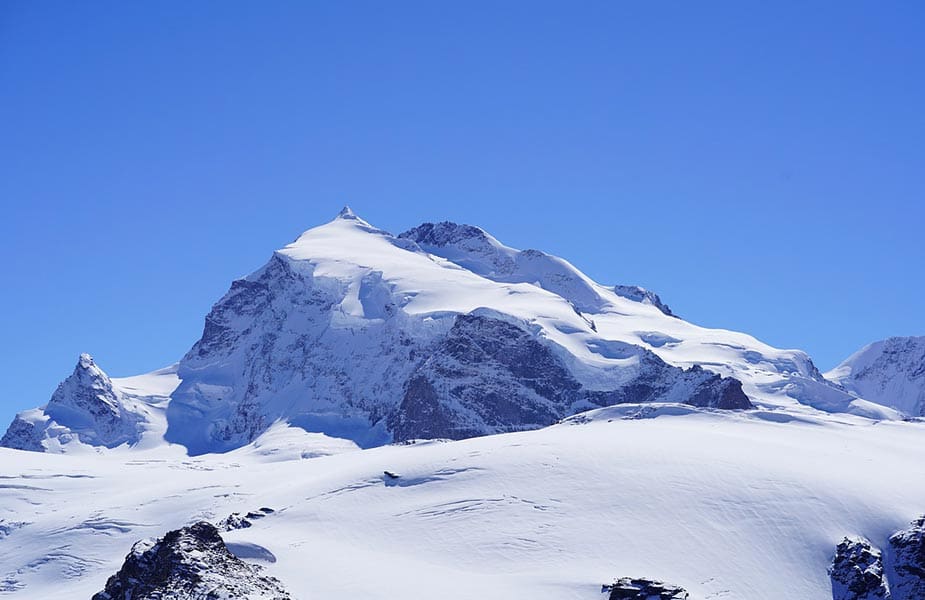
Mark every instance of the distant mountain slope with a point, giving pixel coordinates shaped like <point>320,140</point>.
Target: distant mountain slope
<point>442,331</point>
<point>890,372</point>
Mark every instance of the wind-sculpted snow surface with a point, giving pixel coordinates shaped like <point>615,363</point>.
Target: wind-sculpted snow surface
<point>722,504</point>
<point>891,372</point>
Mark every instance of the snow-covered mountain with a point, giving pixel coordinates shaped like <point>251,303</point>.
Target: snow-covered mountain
<point>890,372</point>
<point>357,333</point>
<point>90,409</point>
<point>440,332</point>
<point>638,455</point>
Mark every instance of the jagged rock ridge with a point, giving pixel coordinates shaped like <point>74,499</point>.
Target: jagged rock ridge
<point>243,521</point>
<point>639,294</point>
<point>86,407</point>
<point>628,588</point>
<point>191,563</point>
<point>907,562</point>
<point>857,571</point>
<point>487,374</point>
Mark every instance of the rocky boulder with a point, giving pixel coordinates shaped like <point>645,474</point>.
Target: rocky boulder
<point>907,562</point>
<point>857,571</point>
<point>243,521</point>
<point>191,563</point>
<point>627,588</point>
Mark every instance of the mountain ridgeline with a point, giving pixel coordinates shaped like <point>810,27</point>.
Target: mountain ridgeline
<point>440,332</point>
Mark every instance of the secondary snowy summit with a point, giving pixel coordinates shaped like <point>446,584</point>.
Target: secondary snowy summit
<point>890,372</point>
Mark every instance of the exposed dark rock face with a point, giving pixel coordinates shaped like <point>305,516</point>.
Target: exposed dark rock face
<point>659,381</point>
<point>445,233</point>
<point>239,521</point>
<point>422,415</point>
<point>638,294</point>
<point>907,562</point>
<point>191,563</point>
<point>857,572</point>
<point>22,435</point>
<point>474,249</point>
<point>470,247</point>
<point>491,376</point>
<point>627,588</point>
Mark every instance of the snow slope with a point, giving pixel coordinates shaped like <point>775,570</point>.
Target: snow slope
<point>746,506</point>
<point>890,372</point>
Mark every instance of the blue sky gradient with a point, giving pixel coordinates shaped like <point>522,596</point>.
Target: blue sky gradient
<point>760,165</point>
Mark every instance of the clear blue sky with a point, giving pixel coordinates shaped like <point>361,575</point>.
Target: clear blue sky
<point>760,165</point>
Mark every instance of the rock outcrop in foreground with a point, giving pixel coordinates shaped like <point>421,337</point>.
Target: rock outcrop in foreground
<point>907,562</point>
<point>858,572</point>
<point>191,563</point>
<point>627,588</point>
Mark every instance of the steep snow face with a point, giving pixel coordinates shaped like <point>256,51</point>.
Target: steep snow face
<point>355,333</point>
<point>90,409</point>
<point>890,372</point>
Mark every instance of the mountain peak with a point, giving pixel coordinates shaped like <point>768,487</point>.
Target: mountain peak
<point>347,213</point>
<point>889,372</point>
<point>85,361</point>
<point>445,233</point>
<point>85,406</point>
